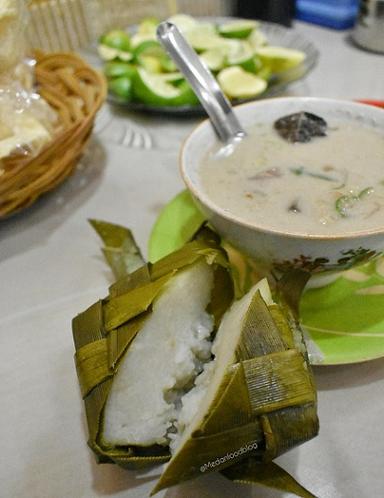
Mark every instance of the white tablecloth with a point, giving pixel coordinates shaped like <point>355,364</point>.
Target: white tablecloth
<point>51,269</point>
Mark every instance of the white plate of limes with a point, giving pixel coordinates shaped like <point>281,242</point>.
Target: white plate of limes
<point>250,60</point>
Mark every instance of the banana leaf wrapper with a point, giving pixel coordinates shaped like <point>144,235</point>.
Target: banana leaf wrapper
<point>267,397</point>
<point>120,249</point>
<point>234,396</point>
<point>268,474</point>
<point>104,332</point>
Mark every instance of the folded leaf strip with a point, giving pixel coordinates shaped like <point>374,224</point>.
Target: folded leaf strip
<point>276,381</point>
<point>92,365</point>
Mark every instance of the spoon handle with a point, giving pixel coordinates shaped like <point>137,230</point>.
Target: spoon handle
<point>203,83</point>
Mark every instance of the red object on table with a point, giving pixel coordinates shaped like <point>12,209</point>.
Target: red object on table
<point>377,103</point>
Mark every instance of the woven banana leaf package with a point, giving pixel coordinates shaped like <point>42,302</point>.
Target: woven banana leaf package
<point>175,369</point>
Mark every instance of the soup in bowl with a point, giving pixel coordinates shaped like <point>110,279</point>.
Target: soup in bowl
<point>304,188</point>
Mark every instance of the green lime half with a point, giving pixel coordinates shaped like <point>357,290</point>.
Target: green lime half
<point>204,37</point>
<point>215,59</point>
<point>264,72</point>
<point>109,53</point>
<point>124,56</point>
<point>115,69</point>
<point>139,38</point>
<point>183,22</point>
<point>152,89</point>
<point>238,29</point>
<point>148,26</point>
<point>238,83</point>
<point>257,39</point>
<point>122,87</point>
<point>116,38</point>
<point>148,47</point>
<point>280,58</point>
<point>241,54</point>
<point>167,64</point>
<point>175,78</point>
<point>150,63</point>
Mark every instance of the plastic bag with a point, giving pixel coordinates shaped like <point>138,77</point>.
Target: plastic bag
<point>13,24</point>
<point>27,122</point>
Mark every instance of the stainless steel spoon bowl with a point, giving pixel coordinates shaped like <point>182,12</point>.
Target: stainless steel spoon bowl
<point>219,110</point>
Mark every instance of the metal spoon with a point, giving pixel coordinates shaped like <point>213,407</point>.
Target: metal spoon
<point>218,108</point>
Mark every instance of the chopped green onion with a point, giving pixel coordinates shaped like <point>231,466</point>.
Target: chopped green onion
<point>302,171</point>
<point>365,192</point>
<point>346,202</point>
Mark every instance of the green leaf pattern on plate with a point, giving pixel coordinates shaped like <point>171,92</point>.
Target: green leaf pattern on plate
<point>345,318</point>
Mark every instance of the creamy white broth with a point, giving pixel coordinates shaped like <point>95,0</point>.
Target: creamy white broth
<point>330,185</point>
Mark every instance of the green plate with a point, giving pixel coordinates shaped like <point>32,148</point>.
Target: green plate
<point>343,320</point>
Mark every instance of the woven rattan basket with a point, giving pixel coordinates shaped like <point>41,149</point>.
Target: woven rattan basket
<point>76,92</point>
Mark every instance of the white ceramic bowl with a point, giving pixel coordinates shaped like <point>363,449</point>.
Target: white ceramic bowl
<point>283,249</point>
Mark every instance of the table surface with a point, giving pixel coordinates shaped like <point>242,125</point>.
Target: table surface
<point>51,269</point>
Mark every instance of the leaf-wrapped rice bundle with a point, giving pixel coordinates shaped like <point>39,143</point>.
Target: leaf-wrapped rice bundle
<point>171,368</point>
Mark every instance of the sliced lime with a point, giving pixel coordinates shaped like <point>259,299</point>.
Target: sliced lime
<point>280,58</point>
<point>265,73</point>
<point>122,87</point>
<point>257,39</point>
<point>183,22</point>
<point>116,38</point>
<point>231,45</point>
<point>167,64</point>
<point>238,29</point>
<point>258,65</point>
<point>238,83</point>
<point>150,63</point>
<point>124,56</point>
<point>148,54</point>
<point>252,65</point>
<point>107,53</point>
<point>152,89</point>
<point>242,55</point>
<point>187,95</point>
<point>139,38</point>
<point>202,42</point>
<point>148,26</point>
<point>115,69</point>
<point>175,78</point>
<point>204,37</point>
<point>148,47</point>
<point>215,58</point>
<point>206,27</point>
